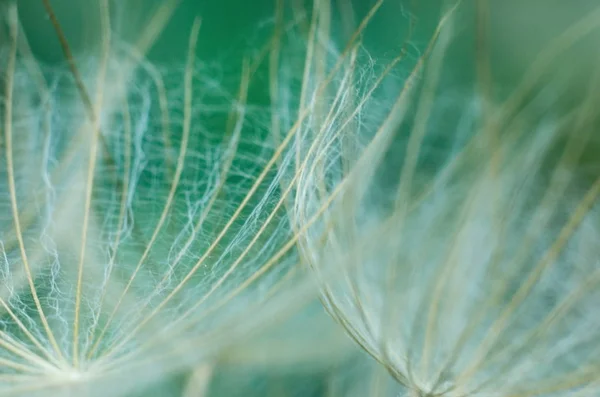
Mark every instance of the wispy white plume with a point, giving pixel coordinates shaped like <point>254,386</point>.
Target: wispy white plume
<point>142,222</point>
<point>459,251</point>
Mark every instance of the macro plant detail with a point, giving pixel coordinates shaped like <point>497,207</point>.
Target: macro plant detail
<point>464,231</point>
<point>144,216</point>
<point>151,216</point>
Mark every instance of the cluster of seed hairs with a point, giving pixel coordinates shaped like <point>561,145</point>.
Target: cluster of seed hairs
<point>149,217</point>
<point>144,217</point>
<point>465,249</point>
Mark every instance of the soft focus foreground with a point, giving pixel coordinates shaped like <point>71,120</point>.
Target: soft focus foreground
<point>440,184</point>
<point>462,221</point>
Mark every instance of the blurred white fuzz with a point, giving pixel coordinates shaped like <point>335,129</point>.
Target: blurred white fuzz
<point>142,220</point>
<point>459,244</point>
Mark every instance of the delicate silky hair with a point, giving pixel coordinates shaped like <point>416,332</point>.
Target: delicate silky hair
<point>151,217</point>
<point>142,221</point>
<point>459,240</point>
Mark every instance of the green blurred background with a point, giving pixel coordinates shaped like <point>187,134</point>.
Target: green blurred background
<point>519,28</point>
<point>232,29</point>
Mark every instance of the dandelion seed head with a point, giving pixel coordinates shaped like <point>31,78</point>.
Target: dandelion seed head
<point>144,219</point>
<point>458,247</point>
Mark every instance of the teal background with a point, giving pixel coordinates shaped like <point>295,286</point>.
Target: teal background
<point>231,29</point>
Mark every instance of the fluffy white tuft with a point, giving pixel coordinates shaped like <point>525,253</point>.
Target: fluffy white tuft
<point>459,243</point>
<point>142,220</point>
